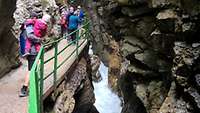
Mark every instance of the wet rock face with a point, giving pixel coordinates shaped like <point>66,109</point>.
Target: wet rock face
<point>95,63</point>
<point>186,70</point>
<point>8,42</point>
<point>158,40</point>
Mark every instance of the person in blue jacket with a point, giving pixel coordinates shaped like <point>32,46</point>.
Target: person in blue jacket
<point>74,20</point>
<point>22,39</point>
<point>80,12</point>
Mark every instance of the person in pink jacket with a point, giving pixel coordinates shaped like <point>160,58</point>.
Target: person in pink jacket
<point>35,35</point>
<point>33,44</point>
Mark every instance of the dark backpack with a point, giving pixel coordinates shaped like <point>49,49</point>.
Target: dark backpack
<point>67,18</point>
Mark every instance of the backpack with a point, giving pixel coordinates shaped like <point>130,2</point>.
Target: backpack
<point>63,21</point>
<point>40,28</point>
<point>67,18</point>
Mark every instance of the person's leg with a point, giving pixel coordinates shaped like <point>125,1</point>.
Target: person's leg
<point>26,82</point>
<point>62,30</point>
<point>24,89</point>
<point>74,35</point>
<point>70,37</point>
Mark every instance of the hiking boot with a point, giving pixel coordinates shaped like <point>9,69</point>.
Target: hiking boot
<point>24,91</point>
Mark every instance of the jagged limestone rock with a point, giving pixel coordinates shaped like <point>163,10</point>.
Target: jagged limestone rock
<point>147,32</point>
<point>95,63</point>
<point>191,8</point>
<point>163,3</point>
<point>134,11</point>
<point>8,43</point>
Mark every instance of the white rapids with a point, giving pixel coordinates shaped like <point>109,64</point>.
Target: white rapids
<point>106,100</point>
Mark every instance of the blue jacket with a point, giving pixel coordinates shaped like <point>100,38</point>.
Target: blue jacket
<point>81,15</point>
<point>73,22</point>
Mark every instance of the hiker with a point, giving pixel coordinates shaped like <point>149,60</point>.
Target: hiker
<point>33,44</point>
<point>63,22</point>
<point>79,12</point>
<point>74,20</point>
<point>70,12</point>
<point>22,40</point>
<point>26,28</point>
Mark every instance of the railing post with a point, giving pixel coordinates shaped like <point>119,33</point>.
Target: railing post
<point>87,31</point>
<point>55,62</point>
<point>77,41</point>
<point>41,79</point>
<point>34,104</point>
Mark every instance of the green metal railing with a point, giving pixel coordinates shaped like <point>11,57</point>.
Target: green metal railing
<point>37,77</point>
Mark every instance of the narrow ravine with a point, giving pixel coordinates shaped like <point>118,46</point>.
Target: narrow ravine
<point>106,100</point>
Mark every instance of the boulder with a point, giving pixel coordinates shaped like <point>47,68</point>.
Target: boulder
<point>135,11</point>
<point>166,21</point>
<point>156,95</point>
<point>95,63</point>
<point>131,45</point>
<point>163,3</point>
<point>192,8</point>
<point>123,2</point>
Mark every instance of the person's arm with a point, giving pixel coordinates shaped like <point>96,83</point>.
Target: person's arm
<point>79,19</point>
<point>34,38</point>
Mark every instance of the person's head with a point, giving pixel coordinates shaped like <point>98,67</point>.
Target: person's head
<point>79,7</point>
<point>71,9</point>
<point>33,15</point>
<point>46,18</point>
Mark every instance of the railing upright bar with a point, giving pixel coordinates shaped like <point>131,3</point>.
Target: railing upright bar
<point>77,41</point>
<point>41,79</point>
<point>34,104</point>
<point>55,62</point>
<point>88,29</point>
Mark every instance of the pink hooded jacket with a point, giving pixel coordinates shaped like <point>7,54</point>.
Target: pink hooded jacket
<point>40,30</point>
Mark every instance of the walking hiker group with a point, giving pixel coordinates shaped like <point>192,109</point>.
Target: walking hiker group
<point>34,29</point>
<point>71,19</point>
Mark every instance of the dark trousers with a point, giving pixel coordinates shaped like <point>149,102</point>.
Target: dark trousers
<point>31,60</point>
<point>73,36</point>
<point>63,30</point>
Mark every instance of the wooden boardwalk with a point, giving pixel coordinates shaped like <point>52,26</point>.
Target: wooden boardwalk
<point>10,85</point>
<point>48,67</point>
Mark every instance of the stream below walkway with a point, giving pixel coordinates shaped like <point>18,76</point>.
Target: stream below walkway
<point>106,100</point>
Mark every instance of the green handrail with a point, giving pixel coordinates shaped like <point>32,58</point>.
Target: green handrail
<point>37,77</point>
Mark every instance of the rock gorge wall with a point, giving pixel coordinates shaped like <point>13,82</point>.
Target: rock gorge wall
<point>8,42</point>
<point>156,43</point>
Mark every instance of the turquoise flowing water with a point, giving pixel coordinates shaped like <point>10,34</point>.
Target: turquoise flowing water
<point>106,100</point>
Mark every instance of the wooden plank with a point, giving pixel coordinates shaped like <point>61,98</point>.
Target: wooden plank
<point>61,72</point>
